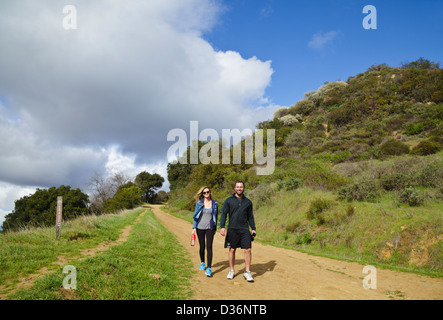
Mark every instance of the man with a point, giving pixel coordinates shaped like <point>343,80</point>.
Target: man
<point>241,217</point>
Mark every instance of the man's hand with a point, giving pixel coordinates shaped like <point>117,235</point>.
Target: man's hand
<point>223,231</point>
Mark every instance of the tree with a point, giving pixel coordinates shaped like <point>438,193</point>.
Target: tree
<point>148,183</point>
<point>126,197</point>
<point>104,189</point>
<point>422,63</point>
<point>39,209</point>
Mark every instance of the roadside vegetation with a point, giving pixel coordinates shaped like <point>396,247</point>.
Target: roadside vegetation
<point>149,265</point>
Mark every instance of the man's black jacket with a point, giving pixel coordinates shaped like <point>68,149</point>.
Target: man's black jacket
<point>239,212</point>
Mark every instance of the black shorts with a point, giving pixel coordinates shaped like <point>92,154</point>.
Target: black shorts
<point>238,238</point>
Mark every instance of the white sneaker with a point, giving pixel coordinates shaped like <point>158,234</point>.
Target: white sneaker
<point>230,275</point>
<point>248,277</point>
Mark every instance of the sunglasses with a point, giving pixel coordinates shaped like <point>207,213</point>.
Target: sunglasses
<point>207,192</point>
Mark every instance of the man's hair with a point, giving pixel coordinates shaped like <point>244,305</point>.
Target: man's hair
<point>239,182</point>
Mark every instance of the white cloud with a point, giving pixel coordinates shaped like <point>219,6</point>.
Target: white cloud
<point>322,39</point>
<point>126,164</point>
<point>131,72</point>
<point>8,194</point>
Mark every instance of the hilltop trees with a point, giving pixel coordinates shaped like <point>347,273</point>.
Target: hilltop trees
<point>148,184</point>
<point>118,192</point>
<point>39,209</point>
<point>108,195</point>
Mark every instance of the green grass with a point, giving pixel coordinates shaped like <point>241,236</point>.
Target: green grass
<point>149,265</point>
<point>27,251</point>
<point>383,233</point>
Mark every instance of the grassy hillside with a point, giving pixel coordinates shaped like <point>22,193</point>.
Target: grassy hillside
<point>358,174</point>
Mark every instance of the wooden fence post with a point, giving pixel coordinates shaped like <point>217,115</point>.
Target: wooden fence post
<point>58,220</point>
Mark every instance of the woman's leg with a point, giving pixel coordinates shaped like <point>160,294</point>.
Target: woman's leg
<point>209,240</point>
<point>201,241</point>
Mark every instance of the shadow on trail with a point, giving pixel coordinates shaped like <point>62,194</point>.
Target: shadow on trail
<point>257,269</point>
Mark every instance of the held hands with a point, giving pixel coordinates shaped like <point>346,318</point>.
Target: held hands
<point>223,232</point>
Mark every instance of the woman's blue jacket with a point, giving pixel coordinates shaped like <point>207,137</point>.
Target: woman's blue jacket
<point>198,213</point>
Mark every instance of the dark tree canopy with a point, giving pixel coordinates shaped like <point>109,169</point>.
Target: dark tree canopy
<point>148,184</point>
<point>39,209</point>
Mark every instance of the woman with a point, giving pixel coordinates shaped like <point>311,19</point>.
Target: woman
<point>205,225</point>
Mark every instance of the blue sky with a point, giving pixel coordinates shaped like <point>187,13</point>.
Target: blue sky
<point>280,31</point>
<point>103,96</point>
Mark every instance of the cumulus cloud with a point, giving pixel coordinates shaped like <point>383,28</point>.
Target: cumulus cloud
<point>74,101</point>
<point>322,39</point>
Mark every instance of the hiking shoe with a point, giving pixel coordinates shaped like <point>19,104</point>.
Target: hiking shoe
<point>208,272</point>
<point>248,277</point>
<point>230,275</point>
<point>202,266</point>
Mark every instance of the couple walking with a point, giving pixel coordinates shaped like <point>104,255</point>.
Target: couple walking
<point>239,210</point>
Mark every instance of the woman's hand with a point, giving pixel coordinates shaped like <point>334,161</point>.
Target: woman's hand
<point>193,231</point>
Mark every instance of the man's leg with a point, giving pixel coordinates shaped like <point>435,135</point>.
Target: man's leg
<point>248,258</point>
<point>231,258</point>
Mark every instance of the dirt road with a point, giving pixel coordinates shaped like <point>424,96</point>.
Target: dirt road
<point>282,274</point>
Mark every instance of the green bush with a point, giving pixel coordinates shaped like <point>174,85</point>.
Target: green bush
<point>290,184</point>
<point>260,195</point>
<point>365,190</point>
<point>340,116</point>
<point>426,148</point>
<point>393,148</point>
<point>303,107</point>
<point>296,138</point>
<point>414,128</point>
<point>317,207</point>
<point>431,175</point>
<point>303,238</point>
<point>396,181</point>
<point>411,196</point>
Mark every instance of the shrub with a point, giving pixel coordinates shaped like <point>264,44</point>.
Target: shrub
<point>316,209</point>
<point>289,119</point>
<point>303,107</point>
<point>411,196</point>
<point>281,112</point>
<point>394,148</point>
<point>303,238</point>
<point>396,181</point>
<point>350,211</point>
<point>425,148</point>
<point>359,191</point>
<point>290,184</point>
<point>413,128</point>
<point>431,175</point>
<point>340,116</point>
<point>296,138</point>
<point>261,194</point>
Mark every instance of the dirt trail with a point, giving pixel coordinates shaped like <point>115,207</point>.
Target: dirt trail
<point>282,274</point>
<point>26,282</point>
